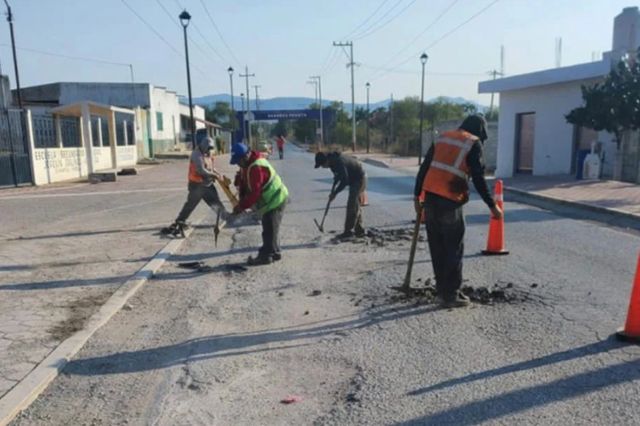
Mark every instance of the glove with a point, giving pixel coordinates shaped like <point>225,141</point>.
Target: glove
<point>417,205</point>
<point>332,196</point>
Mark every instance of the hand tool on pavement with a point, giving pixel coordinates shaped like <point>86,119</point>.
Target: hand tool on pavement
<point>216,229</point>
<point>406,286</point>
<point>321,224</point>
<point>225,184</point>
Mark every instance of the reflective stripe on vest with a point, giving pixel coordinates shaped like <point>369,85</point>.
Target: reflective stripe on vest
<point>448,174</point>
<point>274,193</point>
<point>194,176</point>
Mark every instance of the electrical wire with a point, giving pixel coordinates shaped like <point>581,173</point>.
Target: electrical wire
<point>380,18</point>
<point>438,40</point>
<point>366,20</point>
<point>148,25</point>
<point>204,38</point>
<point>416,38</point>
<point>75,58</point>
<point>204,6</point>
<point>378,28</point>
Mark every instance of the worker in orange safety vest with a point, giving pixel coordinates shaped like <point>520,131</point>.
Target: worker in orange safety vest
<point>442,182</point>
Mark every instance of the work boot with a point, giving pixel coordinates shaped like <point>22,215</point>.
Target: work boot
<point>260,259</point>
<point>276,256</point>
<point>345,235</point>
<point>360,232</point>
<point>458,301</point>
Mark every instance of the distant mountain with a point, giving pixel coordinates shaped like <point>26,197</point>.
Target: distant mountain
<point>288,103</point>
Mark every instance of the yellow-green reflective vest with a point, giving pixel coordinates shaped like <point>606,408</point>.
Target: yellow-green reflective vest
<point>274,192</point>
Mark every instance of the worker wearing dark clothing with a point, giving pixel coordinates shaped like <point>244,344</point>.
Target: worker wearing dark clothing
<point>262,188</point>
<point>347,171</point>
<point>201,177</point>
<point>443,178</point>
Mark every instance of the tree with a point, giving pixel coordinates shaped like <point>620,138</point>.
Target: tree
<point>220,113</point>
<point>279,129</point>
<point>613,105</point>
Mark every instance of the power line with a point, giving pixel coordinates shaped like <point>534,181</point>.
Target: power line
<point>433,73</point>
<point>204,6</point>
<point>427,28</point>
<point>366,20</point>
<point>380,18</point>
<point>206,40</point>
<point>164,40</point>
<point>177,22</point>
<point>445,35</point>
<point>376,29</point>
<point>76,58</point>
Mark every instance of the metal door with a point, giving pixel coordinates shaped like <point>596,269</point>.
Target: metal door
<point>525,140</point>
<point>15,167</point>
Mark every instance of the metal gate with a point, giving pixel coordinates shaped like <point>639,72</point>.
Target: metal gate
<point>15,168</point>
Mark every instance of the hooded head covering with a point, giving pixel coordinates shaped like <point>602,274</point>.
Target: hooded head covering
<point>476,125</point>
<point>321,158</point>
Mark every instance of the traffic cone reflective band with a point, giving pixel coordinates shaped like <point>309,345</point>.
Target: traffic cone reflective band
<point>495,240</point>
<point>364,199</point>
<point>631,330</point>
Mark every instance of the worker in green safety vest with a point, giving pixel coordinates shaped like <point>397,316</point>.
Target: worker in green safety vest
<point>261,188</point>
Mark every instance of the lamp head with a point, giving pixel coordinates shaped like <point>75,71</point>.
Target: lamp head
<point>184,18</point>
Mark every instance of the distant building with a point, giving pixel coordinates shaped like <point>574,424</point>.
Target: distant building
<point>533,135</point>
<point>163,121</point>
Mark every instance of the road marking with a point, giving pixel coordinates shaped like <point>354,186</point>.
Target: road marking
<point>87,194</point>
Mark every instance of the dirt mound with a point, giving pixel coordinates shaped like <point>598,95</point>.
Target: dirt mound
<point>381,237</point>
<point>498,293</point>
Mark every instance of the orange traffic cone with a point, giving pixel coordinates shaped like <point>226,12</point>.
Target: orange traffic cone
<point>631,330</point>
<point>364,199</point>
<point>495,241</point>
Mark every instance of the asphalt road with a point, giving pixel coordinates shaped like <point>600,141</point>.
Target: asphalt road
<point>225,347</point>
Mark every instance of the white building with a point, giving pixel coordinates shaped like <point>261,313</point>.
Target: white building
<point>533,134</point>
<point>158,110</point>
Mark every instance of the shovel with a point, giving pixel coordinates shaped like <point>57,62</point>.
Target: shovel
<point>321,224</point>
<point>406,286</point>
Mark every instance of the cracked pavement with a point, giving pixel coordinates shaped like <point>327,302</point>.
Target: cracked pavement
<point>225,347</point>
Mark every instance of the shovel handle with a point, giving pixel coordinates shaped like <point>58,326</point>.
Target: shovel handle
<point>412,253</point>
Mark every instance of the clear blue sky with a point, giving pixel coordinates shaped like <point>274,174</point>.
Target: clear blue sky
<point>285,41</point>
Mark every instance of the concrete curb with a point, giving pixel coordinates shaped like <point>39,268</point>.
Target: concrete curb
<point>29,388</point>
<point>597,213</point>
<point>376,163</point>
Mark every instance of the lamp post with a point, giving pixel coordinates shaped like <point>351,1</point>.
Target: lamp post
<point>368,140</point>
<point>184,20</point>
<point>423,60</point>
<point>233,108</point>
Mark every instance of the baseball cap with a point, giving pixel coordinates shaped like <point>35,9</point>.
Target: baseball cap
<point>238,151</point>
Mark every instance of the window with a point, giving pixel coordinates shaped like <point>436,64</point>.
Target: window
<point>159,122</point>
<point>95,134</point>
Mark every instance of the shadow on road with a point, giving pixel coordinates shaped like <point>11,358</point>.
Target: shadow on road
<point>514,216</point>
<point>229,345</point>
<point>211,255</point>
<point>51,285</point>
<point>534,396</point>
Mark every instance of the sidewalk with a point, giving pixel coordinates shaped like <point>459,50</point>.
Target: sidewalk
<point>65,249</point>
<point>612,202</point>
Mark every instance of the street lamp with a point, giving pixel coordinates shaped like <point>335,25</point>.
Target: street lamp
<point>423,60</point>
<point>184,20</point>
<point>233,108</point>
<point>368,140</point>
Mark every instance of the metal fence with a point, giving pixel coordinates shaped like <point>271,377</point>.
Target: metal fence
<point>15,167</point>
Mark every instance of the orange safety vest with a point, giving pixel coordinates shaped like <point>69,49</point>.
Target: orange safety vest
<point>448,173</point>
<point>194,176</point>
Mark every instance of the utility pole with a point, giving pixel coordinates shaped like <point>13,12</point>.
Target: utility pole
<point>495,74</point>
<point>391,135</point>
<point>246,75</point>
<point>368,85</point>
<point>244,118</point>
<point>13,49</point>
<point>315,101</point>
<point>353,95</point>
<point>256,86</point>
<point>317,77</point>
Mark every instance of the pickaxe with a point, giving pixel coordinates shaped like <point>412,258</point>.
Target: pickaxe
<point>406,286</point>
<point>326,210</point>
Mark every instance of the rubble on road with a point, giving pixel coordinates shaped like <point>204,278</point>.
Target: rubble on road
<point>381,237</point>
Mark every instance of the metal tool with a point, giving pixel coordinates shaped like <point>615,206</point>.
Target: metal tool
<point>216,229</point>
<point>225,184</point>
<point>406,286</point>
<point>321,224</point>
